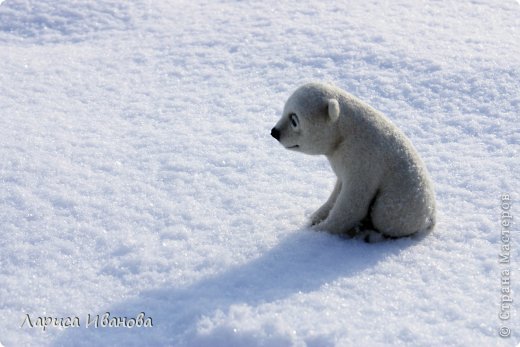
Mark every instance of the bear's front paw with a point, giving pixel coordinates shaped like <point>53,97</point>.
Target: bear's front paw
<point>318,217</point>
<point>316,227</point>
<point>313,221</point>
<point>328,227</point>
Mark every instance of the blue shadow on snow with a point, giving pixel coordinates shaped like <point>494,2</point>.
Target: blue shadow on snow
<point>302,262</point>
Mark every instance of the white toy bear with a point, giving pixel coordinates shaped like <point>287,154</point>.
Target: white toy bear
<point>382,187</point>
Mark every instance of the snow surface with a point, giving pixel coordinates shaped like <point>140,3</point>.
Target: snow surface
<point>138,174</point>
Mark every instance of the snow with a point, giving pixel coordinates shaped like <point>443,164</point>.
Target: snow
<point>138,174</point>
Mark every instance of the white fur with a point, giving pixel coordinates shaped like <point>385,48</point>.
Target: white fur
<point>380,176</point>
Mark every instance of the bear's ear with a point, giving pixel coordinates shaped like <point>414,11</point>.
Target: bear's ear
<point>333,108</point>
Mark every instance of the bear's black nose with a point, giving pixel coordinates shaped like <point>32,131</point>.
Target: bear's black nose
<point>275,133</point>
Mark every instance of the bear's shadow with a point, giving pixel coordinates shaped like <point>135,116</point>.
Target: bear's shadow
<point>302,262</point>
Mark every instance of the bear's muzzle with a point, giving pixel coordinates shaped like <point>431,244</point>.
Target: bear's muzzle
<point>275,133</point>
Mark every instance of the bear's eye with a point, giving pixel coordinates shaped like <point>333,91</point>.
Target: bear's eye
<point>294,120</point>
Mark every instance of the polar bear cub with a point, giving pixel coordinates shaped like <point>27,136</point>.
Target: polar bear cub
<point>382,185</point>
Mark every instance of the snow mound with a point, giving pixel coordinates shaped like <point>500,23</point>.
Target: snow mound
<point>57,21</point>
<point>242,326</point>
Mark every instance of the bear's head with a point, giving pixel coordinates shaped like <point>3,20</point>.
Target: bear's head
<point>309,120</point>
